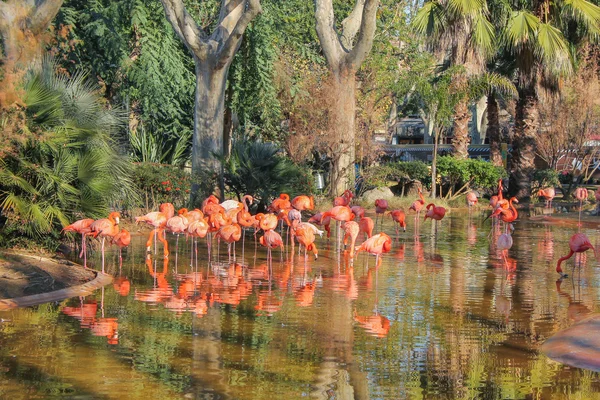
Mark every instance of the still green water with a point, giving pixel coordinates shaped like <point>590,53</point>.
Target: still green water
<point>441,318</point>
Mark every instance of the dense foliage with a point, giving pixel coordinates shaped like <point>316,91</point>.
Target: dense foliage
<point>74,173</point>
<point>259,169</point>
<point>400,173</point>
<point>457,176</point>
<point>161,183</point>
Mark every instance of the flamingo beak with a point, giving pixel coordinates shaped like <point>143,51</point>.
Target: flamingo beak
<point>117,220</point>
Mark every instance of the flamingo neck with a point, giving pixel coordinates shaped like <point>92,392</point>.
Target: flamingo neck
<point>560,260</point>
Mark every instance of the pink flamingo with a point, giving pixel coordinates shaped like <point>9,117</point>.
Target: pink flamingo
<point>380,206</point>
<point>399,219</point>
<point>581,194</point>
<point>417,205</point>
<point>302,203</point>
<point>472,200</point>
<point>82,227</point>
<point>105,227</point>
<point>271,240</point>
<point>548,194</point>
<point>377,244</point>
<point>366,225</point>
<point>122,239</point>
<point>358,211</point>
<point>306,237</point>
<point>351,230</point>
<point>434,212</point>
<point>504,244</point>
<point>577,244</point>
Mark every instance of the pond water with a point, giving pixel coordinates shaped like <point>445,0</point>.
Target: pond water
<point>442,317</point>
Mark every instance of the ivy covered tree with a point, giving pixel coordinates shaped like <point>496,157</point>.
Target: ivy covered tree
<point>129,46</point>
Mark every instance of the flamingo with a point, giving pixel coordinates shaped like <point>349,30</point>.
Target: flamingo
<point>578,243</point>
<point>302,203</point>
<point>507,215</point>
<point>198,229</point>
<point>351,230</point>
<point>247,200</point>
<point>158,219</point>
<point>82,227</point>
<point>434,212</point>
<point>366,225</point>
<point>340,213</point>
<point>399,219</point>
<point>358,211</point>
<point>122,239</point>
<point>581,194</point>
<point>319,220</point>
<point>377,244</point>
<point>344,200</point>
<point>306,237</point>
<point>105,227</point>
<point>271,240</point>
<point>280,203</point>
<point>380,206</point>
<point>548,194</point>
<point>231,234</point>
<point>177,225</point>
<point>472,200</point>
<point>504,244</point>
<point>417,205</point>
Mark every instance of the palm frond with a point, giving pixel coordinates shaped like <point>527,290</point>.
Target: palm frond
<point>553,49</point>
<point>430,19</point>
<point>521,31</point>
<point>585,12</point>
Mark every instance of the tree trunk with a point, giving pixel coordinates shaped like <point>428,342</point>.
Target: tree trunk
<point>213,55</point>
<point>460,127</point>
<point>493,131</point>
<point>523,154</point>
<point>208,121</point>
<point>436,139</point>
<point>342,124</point>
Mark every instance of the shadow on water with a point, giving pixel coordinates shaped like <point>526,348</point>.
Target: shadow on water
<point>445,315</point>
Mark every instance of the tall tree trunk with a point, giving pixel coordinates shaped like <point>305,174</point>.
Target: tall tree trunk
<point>344,57</point>
<point>460,127</point>
<point>523,154</point>
<point>493,130</point>
<point>208,120</point>
<point>436,140</point>
<point>342,123</point>
<point>213,55</point>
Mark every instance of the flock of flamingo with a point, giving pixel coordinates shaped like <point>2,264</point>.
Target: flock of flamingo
<point>228,221</point>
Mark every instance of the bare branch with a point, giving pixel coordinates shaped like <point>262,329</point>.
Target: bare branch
<point>44,12</point>
<point>359,53</point>
<point>330,42</point>
<point>231,45</point>
<point>185,27</point>
<point>351,24</point>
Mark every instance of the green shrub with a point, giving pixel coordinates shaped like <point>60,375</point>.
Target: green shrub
<point>159,183</point>
<point>458,176</point>
<point>74,173</point>
<point>543,178</point>
<point>402,172</point>
<point>260,170</point>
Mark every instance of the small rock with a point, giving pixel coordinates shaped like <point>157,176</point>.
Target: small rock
<point>378,193</point>
<point>564,209</point>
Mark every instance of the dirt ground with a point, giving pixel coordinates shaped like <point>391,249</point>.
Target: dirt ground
<point>23,274</point>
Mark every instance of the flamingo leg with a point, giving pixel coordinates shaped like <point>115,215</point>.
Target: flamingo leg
<point>103,238</point>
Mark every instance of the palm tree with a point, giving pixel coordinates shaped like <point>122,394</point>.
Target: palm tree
<point>462,30</point>
<point>541,36</point>
<point>74,171</point>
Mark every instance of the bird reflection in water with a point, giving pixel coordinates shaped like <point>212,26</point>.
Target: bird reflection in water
<point>375,324</point>
<point>99,326</point>
<point>576,309</point>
